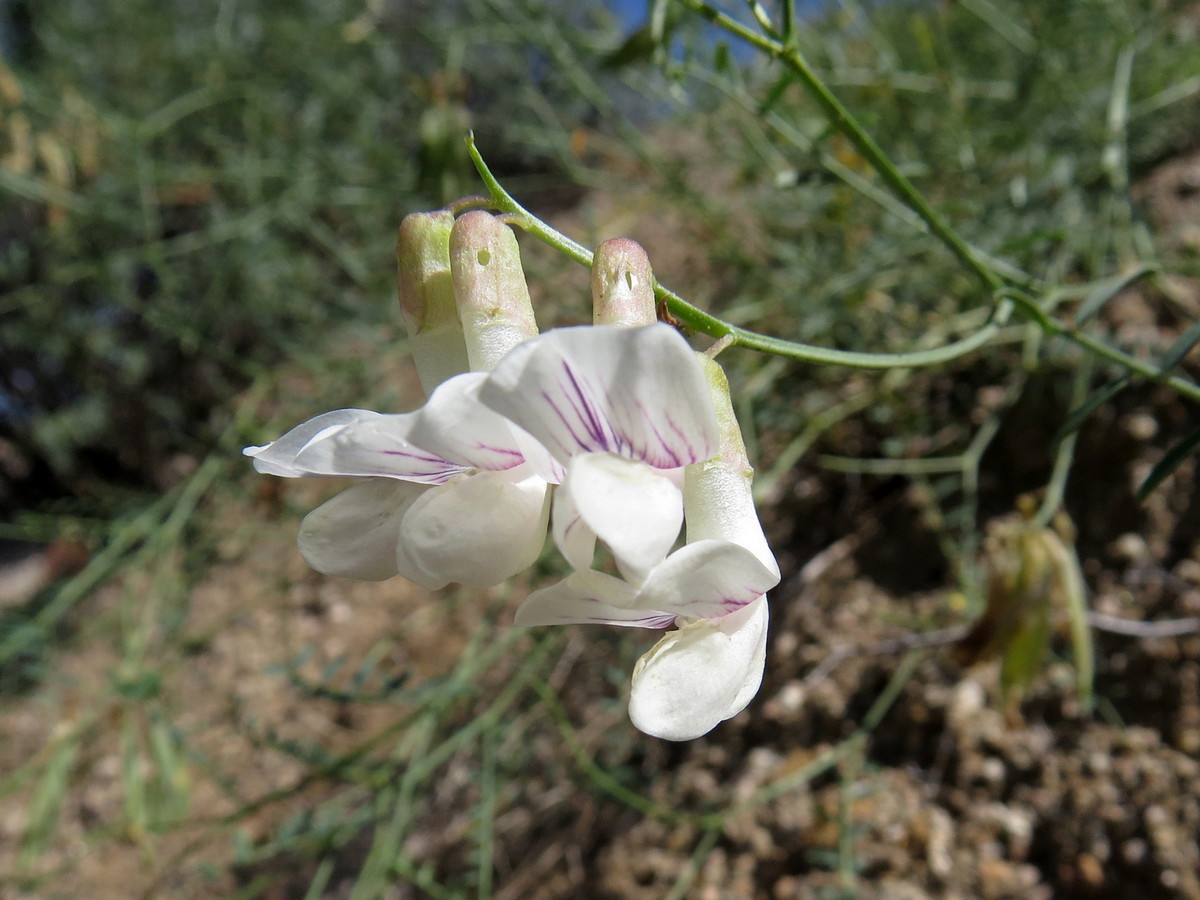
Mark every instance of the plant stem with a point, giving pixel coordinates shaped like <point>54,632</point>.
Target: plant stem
<point>1007,298</point>
<point>841,119</point>
<point>708,324</point>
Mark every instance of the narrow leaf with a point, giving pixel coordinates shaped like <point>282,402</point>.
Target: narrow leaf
<point>775,94</point>
<point>1169,463</point>
<point>172,779</point>
<point>1023,656</point>
<point>44,809</point>
<point>1094,401</point>
<point>1180,348</point>
<point>1105,290</point>
<point>1075,594</point>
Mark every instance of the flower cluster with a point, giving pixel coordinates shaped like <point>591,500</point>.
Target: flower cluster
<point>615,434</point>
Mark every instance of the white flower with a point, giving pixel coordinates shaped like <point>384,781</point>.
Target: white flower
<point>459,503</point>
<point>446,493</point>
<point>621,411</point>
<point>710,668</point>
<point>713,589</point>
<point>624,411</point>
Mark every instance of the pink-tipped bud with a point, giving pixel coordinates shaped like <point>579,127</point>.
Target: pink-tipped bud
<point>622,285</point>
<point>489,285</point>
<point>426,293</point>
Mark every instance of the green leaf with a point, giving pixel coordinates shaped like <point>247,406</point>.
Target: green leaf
<point>1094,401</point>
<point>1023,655</point>
<point>139,688</point>
<point>1169,463</point>
<point>171,796</point>
<point>722,59</point>
<point>1075,595</point>
<point>775,94</point>
<point>1105,290</point>
<point>1180,348</point>
<point>48,799</point>
<point>638,48</point>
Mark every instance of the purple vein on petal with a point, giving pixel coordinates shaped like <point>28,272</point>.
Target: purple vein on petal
<point>666,620</point>
<point>593,423</point>
<point>660,620</point>
<point>566,451</point>
<point>575,520</point>
<point>439,470</point>
<point>515,455</point>
<point>693,455</point>
<point>728,604</point>
<point>671,456</point>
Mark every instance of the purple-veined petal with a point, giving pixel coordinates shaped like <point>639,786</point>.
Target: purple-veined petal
<point>376,445</point>
<point>636,392</point>
<point>574,539</point>
<point>478,530</point>
<point>354,534</point>
<point>455,425</point>
<point>628,505</point>
<point>279,456</point>
<point>588,597</point>
<point>700,674</point>
<point>543,464</point>
<point>706,579</point>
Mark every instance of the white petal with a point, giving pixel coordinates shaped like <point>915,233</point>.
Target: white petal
<point>750,624</point>
<point>478,530</point>
<point>700,675</point>
<point>574,539</point>
<point>720,506</point>
<point>355,533</point>
<point>279,456</point>
<point>376,445</point>
<point>630,506</point>
<point>706,579</point>
<point>543,464</point>
<point>455,425</point>
<point>637,392</point>
<point>588,598</point>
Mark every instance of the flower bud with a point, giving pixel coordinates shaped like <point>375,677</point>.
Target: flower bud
<point>489,286</point>
<point>426,294</point>
<point>622,285</point>
<point>1031,570</point>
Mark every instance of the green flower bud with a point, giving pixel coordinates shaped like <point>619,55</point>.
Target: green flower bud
<point>1032,575</point>
<point>622,285</point>
<point>426,294</point>
<point>489,286</point>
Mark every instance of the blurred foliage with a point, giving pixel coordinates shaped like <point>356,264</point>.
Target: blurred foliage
<point>224,189</point>
<point>194,192</point>
<point>1028,127</point>
<point>1003,122</point>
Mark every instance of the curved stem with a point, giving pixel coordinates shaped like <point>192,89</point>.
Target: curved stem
<point>1180,385</point>
<point>699,320</point>
<point>1008,298</point>
<point>841,118</point>
<point>1064,456</point>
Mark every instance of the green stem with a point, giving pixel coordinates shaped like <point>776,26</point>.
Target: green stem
<point>844,121</point>
<point>1180,385</point>
<point>1064,456</point>
<point>699,320</point>
<point>1007,298</point>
